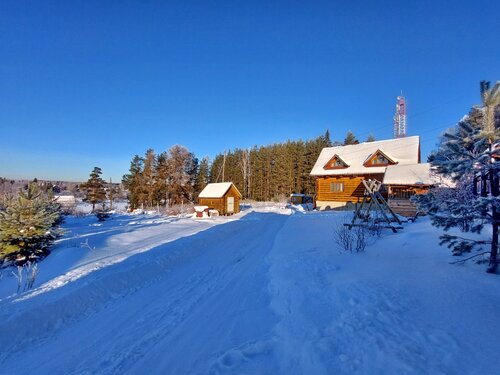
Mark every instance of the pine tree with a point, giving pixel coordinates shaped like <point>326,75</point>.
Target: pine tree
<point>202,176</point>
<point>95,191</point>
<point>490,98</point>
<point>27,225</point>
<point>350,139</point>
<point>370,138</point>
<point>133,181</point>
<point>162,174</point>
<point>216,169</point>
<point>149,178</point>
<point>192,172</point>
<point>464,153</point>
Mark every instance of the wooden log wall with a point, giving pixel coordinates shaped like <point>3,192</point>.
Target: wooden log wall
<point>353,188</point>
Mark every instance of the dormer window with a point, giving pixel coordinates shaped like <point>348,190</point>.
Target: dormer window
<point>379,159</point>
<point>335,163</point>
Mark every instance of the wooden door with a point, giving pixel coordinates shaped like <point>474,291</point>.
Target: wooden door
<point>230,204</point>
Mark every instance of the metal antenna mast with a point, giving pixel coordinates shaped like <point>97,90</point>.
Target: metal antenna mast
<point>400,117</point>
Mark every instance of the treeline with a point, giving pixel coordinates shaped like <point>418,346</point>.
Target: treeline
<point>269,172</point>
<point>169,178</point>
<point>261,173</point>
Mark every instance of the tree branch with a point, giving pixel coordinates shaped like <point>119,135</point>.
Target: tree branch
<point>466,259</point>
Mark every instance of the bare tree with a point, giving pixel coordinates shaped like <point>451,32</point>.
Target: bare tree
<point>246,171</point>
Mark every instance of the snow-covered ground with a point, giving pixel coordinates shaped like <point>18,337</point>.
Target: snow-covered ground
<point>262,292</point>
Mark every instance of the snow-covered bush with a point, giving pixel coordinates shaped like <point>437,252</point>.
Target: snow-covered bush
<point>177,209</point>
<point>26,276</point>
<point>354,239</point>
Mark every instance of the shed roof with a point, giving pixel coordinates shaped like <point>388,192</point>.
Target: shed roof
<point>68,199</point>
<point>217,190</point>
<point>410,174</point>
<point>400,150</point>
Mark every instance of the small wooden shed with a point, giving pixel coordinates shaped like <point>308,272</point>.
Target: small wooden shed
<point>223,197</point>
<point>67,202</point>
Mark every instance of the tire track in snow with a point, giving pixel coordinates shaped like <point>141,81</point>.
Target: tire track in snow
<point>149,312</point>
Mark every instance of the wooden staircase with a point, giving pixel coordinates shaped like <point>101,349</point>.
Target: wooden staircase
<point>403,207</point>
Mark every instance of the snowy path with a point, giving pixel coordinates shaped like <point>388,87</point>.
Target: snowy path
<point>195,299</point>
<point>266,294</point>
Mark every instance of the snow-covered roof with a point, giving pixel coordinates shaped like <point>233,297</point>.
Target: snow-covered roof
<point>410,174</point>
<point>400,150</point>
<point>216,190</point>
<point>200,208</point>
<point>65,199</point>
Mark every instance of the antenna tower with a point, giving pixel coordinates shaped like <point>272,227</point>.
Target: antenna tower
<point>400,118</point>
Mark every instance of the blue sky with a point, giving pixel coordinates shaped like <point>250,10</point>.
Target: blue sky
<point>91,83</point>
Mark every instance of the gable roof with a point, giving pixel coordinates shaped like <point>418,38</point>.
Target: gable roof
<point>400,150</point>
<point>369,160</point>
<point>410,174</point>
<point>217,190</point>
<point>335,158</point>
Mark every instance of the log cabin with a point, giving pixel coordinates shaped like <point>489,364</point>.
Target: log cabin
<point>340,170</point>
<point>223,197</point>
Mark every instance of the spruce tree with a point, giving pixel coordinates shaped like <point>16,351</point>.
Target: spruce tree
<point>95,188</point>
<point>202,176</point>
<point>350,139</point>
<point>27,225</point>
<point>326,139</point>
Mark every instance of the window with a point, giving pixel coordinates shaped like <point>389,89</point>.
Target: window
<point>379,159</point>
<point>335,163</point>
<point>336,187</point>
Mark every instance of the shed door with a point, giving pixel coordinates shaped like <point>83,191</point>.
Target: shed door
<point>230,204</point>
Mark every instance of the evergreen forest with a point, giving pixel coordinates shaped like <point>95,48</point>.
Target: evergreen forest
<point>261,173</point>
